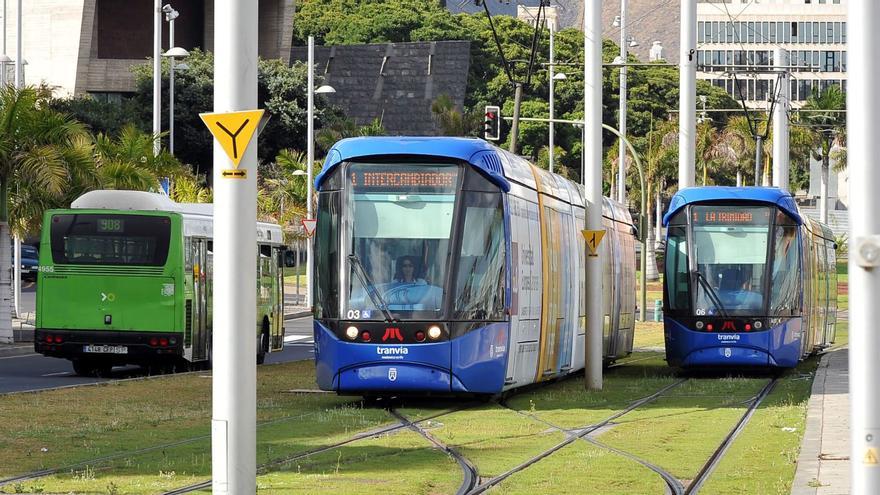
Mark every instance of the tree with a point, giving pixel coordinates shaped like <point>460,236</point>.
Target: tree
<point>341,128</point>
<point>127,161</point>
<point>452,121</point>
<point>281,91</point>
<point>44,157</point>
<point>824,113</point>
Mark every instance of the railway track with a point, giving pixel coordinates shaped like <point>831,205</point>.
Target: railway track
<point>482,487</point>
<point>401,424</point>
<point>712,462</point>
<point>469,471</point>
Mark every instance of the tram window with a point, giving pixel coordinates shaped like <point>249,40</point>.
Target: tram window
<point>327,256</point>
<point>785,289</point>
<point>677,269</point>
<point>479,292</point>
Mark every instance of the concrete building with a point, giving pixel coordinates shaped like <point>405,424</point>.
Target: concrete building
<point>89,46</point>
<point>733,34</point>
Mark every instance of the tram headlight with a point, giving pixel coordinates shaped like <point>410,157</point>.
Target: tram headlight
<point>758,325</point>
<point>699,325</point>
<point>351,332</point>
<point>434,332</point>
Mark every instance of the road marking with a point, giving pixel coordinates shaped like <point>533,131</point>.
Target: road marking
<point>20,356</point>
<point>304,339</point>
<point>60,373</point>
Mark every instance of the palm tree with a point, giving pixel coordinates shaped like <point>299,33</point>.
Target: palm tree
<point>660,164</point>
<point>284,190</point>
<point>44,157</point>
<point>127,161</point>
<point>452,121</point>
<point>345,128</point>
<point>824,111</point>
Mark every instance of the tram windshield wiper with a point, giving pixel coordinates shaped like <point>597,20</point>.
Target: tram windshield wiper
<point>365,280</point>
<point>713,296</point>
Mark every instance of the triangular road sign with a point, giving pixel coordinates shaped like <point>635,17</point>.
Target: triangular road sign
<point>309,224</point>
<point>593,238</point>
<point>870,456</point>
<point>233,130</point>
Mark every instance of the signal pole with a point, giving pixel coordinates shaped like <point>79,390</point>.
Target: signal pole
<point>233,423</point>
<point>687,105</point>
<point>592,177</point>
<point>863,133</point>
<point>781,157</point>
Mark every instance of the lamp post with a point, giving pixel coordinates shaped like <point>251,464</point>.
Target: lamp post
<point>620,21</point>
<point>310,153</point>
<point>157,75</point>
<point>173,54</point>
<point>553,78</point>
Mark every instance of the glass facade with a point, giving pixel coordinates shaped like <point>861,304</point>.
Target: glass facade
<point>766,32</point>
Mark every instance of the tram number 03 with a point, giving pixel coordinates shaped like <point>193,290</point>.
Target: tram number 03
<point>353,314</point>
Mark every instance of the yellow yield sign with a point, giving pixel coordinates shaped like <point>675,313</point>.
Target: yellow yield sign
<point>593,238</point>
<point>870,457</point>
<point>233,130</point>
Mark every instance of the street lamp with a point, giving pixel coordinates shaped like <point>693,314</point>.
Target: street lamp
<point>173,53</point>
<point>310,151</point>
<point>620,21</point>
<point>551,152</point>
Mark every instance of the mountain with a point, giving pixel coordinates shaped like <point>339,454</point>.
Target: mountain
<point>647,20</point>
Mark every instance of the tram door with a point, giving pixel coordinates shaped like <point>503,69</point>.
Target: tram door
<point>200,299</point>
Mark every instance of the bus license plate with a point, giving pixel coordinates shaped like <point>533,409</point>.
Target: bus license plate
<point>106,349</point>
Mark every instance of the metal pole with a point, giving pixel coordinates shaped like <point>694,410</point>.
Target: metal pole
<point>19,76</point>
<point>514,129</point>
<point>863,134</point>
<point>233,426</point>
<point>781,157</point>
<point>157,75</point>
<point>3,65</point>
<point>171,88</point>
<point>823,188</point>
<point>592,178</point>
<point>310,158</point>
<point>759,159</point>
<point>687,106</point>
<point>16,279</point>
<point>621,111</point>
<point>550,151</point>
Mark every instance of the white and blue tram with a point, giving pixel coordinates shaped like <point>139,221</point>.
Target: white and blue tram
<point>749,281</point>
<point>450,266</point>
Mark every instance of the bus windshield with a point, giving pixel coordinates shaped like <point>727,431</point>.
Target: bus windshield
<point>730,254</point>
<point>401,222</point>
<point>109,239</point>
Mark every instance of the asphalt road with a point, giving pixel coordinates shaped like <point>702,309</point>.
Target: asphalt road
<point>31,372</point>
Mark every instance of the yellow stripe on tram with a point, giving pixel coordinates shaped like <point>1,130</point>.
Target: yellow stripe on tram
<point>545,285</point>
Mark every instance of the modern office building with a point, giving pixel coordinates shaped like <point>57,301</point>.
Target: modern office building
<point>89,46</point>
<point>734,35</point>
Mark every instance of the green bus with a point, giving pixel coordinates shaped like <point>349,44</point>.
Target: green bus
<point>125,277</point>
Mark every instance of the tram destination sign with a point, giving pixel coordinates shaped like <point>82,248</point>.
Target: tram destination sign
<point>730,215</point>
<point>404,179</point>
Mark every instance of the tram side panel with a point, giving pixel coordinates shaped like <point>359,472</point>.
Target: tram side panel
<point>526,283</point>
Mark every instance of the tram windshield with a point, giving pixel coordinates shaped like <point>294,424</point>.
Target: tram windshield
<point>400,227</point>
<point>730,251</point>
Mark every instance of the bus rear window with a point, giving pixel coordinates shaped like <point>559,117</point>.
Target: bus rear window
<point>96,239</point>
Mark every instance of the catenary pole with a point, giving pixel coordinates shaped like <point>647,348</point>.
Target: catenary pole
<point>550,150</point>
<point>592,178</point>
<point>863,135</point>
<point>171,87</point>
<point>687,106</point>
<point>157,75</point>
<point>310,158</point>
<point>233,427</point>
<point>781,138</point>
<point>621,111</point>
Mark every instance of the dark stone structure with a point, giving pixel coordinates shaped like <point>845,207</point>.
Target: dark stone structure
<point>394,82</point>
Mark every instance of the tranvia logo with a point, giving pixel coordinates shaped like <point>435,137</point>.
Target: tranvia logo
<point>392,374</point>
<point>392,351</point>
<point>728,337</point>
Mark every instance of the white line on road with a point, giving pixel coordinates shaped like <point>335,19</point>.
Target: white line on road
<point>60,373</point>
<point>20,356</point>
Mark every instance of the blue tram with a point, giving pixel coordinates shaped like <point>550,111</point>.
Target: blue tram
<point>450,266</point>
<point>749,281</point>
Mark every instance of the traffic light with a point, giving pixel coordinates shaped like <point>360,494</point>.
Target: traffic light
<point>492,123</point>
